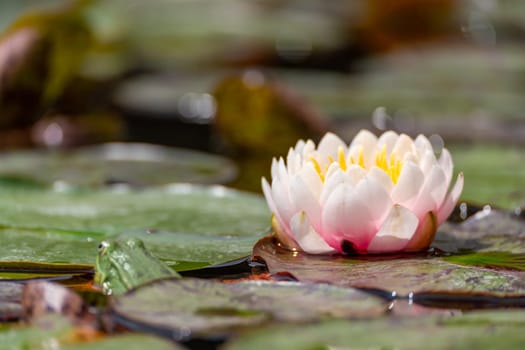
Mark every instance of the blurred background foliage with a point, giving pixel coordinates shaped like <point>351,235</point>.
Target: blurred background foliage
<point>247,78</point>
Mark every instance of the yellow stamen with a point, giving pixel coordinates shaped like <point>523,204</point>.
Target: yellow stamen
<point>341,158</point>
<point>361,157</point>
<point>317,168</point>
<point>392,166</point>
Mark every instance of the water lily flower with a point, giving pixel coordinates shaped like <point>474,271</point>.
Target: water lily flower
<point>376,195</point>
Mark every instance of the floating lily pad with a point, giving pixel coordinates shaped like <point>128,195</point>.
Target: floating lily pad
<point>478,330</point>
<point>56,332</point>
<point>403,274</point>
<point>204,225</point>
<point>131,163</point>
<point>486,231</point>
<point>210,308</point>
<point>493,174</point>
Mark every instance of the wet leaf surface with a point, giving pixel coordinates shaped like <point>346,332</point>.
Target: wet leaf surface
<point>435,272</point>
<point>477,330</point>
<point>204,308</point>
<point>493,174</point>
<point>56,332</point>
<point>65,227</point>
<point>135,164</point>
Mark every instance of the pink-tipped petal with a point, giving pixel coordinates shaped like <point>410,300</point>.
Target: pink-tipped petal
<point>375,198</point>
<point>346,217</point>
<point>451,200</point>
<point>397,230</point>
<point>408,185</point>
<point>425,233</point>
<point>306,236</point>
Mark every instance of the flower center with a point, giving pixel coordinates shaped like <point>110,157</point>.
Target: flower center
<point>391,164</point>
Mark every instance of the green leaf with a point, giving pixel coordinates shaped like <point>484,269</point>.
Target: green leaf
<point>477,330</point>
<point>402,273</point>
<point>210,308</point>
<point>193,224</point>
<point>493,174</point>
<point>132,163</point>
<point>58,333</point>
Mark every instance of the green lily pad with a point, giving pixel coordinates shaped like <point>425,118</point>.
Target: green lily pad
<point>131,163</point>
<point>208,308</point>
<point>402,274</point>
<point>186,223</point>
<point>477,330</point>
<point>486,231</point>
<point>126,341</point>
<point>56,332</point>
<point>493,174</point>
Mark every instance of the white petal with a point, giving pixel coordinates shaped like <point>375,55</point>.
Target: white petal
<point>274,172</point>
<point>306,237</point>
<point>379,175</point>
<point>282,201</point>
<point>408,185</point>
<point>378,201</point>
<point>282,171</point>
<point>404,144</point>
<point>304,198</point>
<point>431,193</point>
<point>346,217</point>
<point>329,145</point>
<point>299,146</point>
<point>280,225</point>
<point>389,139</point>
<point>396,232</point>
<point>445,161</point>
<point>364,138</point>
<point>267,191</point>
<point>365,141</point>
<point>427,161</point>
<point>336,178</point>
<point>308,149</point>
<point>422,145</point>
<point>291,162</point>
<point>355,174</point>
<point>451,200</point>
